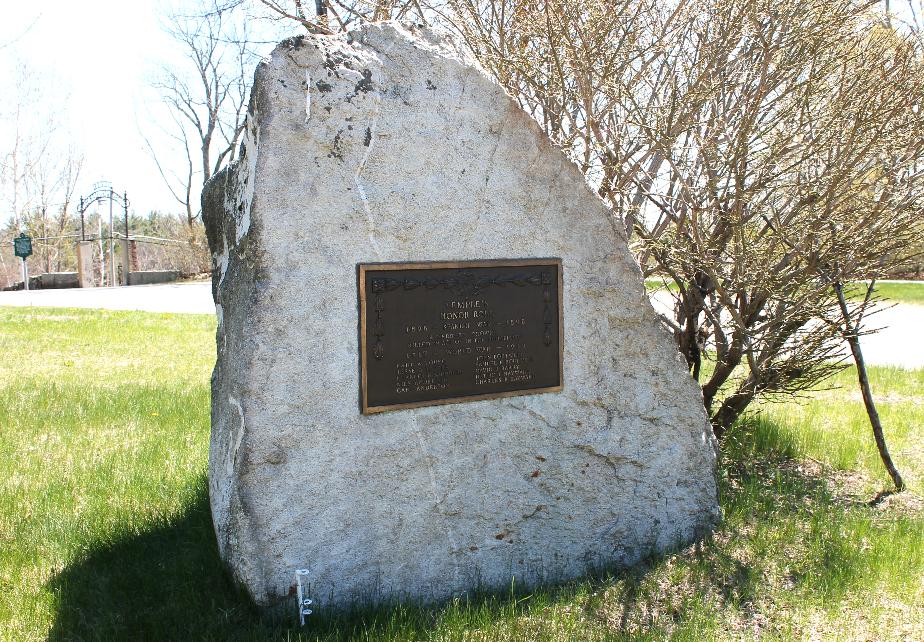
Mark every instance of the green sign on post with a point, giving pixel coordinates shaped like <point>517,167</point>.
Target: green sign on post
<point>22,246</point>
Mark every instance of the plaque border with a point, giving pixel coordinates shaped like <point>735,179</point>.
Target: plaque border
<point>362,268</point>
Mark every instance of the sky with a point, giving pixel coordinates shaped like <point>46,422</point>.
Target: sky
<point>96,60</point>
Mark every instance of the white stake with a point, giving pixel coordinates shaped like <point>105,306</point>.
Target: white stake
<point>303,601</point>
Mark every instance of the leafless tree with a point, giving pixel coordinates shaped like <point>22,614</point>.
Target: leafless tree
<point>31,132</point>
<point>205,102</point>
<point>719,131</point>
<point>877,199</point>
<point>586,70</point>
<point>330,16</point>
<point>908,17</point>
<point>812,133</point>
<point>39,168</point>
<point>52,185</point>
<point>762,156</point>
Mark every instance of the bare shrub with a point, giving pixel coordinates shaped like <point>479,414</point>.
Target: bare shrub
<point>757,152</point>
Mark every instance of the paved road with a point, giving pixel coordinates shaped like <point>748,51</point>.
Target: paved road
<point>900,343</point>
<point>195,298</point>
<point>901,340</point>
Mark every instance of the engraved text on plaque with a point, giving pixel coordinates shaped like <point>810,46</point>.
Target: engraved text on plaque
<point>435,333</point>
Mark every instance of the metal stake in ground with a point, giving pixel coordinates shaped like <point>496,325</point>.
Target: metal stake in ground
<point>22,247</point>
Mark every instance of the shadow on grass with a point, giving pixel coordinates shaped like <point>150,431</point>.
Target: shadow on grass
<point>786,540</point>
<point>762,472</point>
<point>795,518</point>
<point>164,582</point>
<point>168,583</point>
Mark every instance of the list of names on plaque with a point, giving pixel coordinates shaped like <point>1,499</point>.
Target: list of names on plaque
<point>433,333</point>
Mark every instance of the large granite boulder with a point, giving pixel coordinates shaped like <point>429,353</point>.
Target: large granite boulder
<point>389,144</point>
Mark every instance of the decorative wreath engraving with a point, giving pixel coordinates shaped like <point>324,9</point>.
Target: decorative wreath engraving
<point>463,284</point>
<point>378,325</point>
<point>547,309</point>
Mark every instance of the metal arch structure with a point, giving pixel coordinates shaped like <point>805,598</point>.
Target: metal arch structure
<point>102,191</point>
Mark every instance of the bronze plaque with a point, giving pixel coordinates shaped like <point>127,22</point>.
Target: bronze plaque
<point>433,333</point>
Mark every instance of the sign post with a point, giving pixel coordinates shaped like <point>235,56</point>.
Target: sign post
<point>22,247</point>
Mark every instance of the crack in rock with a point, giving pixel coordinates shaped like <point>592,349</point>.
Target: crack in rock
<point>615,462</point>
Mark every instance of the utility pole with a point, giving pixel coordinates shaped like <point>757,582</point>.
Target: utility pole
<point>102,248</point>
<point>125,249</point>
<point>112,273</point>
<point>45,235</point>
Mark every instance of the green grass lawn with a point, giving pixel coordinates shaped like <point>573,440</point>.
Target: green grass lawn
<point>105,531</point>
<point>903,292</point>
<point>887,292</point>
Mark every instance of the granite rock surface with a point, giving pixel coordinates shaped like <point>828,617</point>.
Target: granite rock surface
<point>389,144</point>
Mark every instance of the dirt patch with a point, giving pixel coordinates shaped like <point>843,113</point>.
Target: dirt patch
<point>855,488</point>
